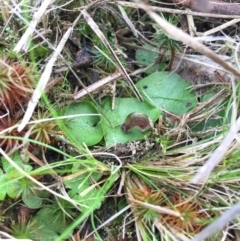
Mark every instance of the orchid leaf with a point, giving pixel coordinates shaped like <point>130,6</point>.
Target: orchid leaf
<point>86,128</point>
<point>123,107</point>
<point>169,91</point>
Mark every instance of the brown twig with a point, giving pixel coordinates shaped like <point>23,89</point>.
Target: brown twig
<point>211,6</point>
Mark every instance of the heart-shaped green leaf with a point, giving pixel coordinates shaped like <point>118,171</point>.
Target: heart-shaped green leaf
<point>86,128</point>
<point>123,107</point>
<point>169,91</point>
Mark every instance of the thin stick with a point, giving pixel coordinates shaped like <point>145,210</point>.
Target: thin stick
<point>43,81</point>
<point>156,208</point>
<point>24,41</point>
<point>179,35</point>
<point>97,85</point>
<point>99,33</point>
<point>217,155</point>
<point>169,10</point>
<point>218,224</point>
<point>221,27</point>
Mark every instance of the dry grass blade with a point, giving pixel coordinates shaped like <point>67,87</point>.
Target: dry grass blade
<point>4,10</point>
<point>128,21</point>
<point>6,236</point>
<point>43,81</point>
<point>170,10</point>
<point>211,6</point>
<point>221,27</point>
<point>214,100</point>
<point>99,33</point>
<point>162,210</point>
<point>32,25</point>
<point>174,234</point>
<point>110,219</point>
<point>179,35</point>
<point>219,223</point>
<point>218,154</point>
<point>97,85</point>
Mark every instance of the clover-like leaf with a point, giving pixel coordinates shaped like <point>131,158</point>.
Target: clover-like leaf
<point>12,181</point>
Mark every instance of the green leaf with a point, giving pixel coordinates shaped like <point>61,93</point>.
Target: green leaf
<point>85,129</point>
<point>43,231</point>
<point>146,57</point>
<point>31,198</point>
<point>81,189</point>
<point>3,190</point>
<point>124,107</point>
<point>14,188</point>
<point>10,169</point>
<point>13,181</point>
<point>169,91</point>
<point>33,231</point>
<point>52,216</point>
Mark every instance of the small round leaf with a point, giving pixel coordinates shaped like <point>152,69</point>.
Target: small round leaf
<point>87,128</point>
<point>169,91</point>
